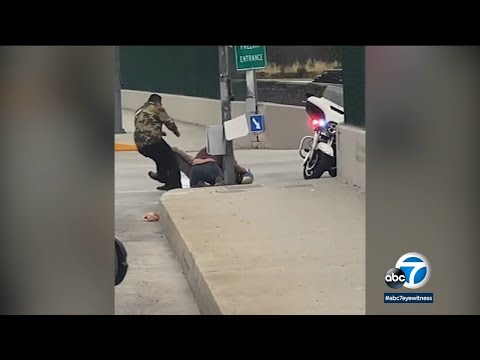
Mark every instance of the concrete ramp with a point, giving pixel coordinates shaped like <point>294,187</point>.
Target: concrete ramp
<point>292,249</point>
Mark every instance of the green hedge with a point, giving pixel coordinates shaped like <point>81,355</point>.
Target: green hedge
<point>183,70</point>
<point>353,59</point>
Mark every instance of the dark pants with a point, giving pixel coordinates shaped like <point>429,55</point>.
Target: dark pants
<point>208,172</point>
<point>166,161</point>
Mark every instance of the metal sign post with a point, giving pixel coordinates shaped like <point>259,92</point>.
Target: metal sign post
<point>250,58</point>
<point>225,96</point>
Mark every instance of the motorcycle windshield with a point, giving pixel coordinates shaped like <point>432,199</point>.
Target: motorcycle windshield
<point>334,94</point>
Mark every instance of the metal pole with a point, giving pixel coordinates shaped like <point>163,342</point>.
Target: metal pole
<point>251,100</point>
<point>118,95</point>
<point>225,96</point>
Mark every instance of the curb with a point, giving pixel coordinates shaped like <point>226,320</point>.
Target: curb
<point>202,293</point>
<point>125,147</point>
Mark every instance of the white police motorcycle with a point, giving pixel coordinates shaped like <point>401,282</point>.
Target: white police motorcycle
<point>319,151</point>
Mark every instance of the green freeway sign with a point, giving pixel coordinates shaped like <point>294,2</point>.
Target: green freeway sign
<point>250,57</point>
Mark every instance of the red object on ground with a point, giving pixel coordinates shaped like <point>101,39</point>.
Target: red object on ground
<point>151,217</point>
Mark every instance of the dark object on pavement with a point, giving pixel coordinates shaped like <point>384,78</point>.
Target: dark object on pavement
<point>121,263</point>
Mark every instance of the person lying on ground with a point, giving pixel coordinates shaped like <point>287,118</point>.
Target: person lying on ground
<point>206,170</point>
<point>208,174</point>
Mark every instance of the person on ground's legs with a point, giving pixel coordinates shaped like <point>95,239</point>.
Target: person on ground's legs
<point>206,173</point>
<point>207,170</point>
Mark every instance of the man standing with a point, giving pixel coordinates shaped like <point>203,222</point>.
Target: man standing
<point>148,136</point>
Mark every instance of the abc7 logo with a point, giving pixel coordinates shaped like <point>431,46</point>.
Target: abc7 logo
<point>411,271</point>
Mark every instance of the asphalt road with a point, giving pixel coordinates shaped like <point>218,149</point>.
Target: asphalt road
<point>154,284</point>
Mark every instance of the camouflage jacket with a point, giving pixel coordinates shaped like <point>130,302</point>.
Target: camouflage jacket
<point>149,120</point>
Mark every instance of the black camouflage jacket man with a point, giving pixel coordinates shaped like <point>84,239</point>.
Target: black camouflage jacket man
<point>149,120</point>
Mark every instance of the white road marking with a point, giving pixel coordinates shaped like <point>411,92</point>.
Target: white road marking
<point>184,179</point>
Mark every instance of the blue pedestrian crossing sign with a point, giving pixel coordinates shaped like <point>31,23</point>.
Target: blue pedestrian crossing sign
<point>257,123</point>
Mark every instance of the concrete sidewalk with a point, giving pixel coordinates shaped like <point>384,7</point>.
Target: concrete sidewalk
<point>155,283</point>
<point>296,248</point>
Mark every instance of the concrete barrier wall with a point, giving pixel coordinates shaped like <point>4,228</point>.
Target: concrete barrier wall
<point>185,108</point>
<point>351,155</point>
<point>285,125</point>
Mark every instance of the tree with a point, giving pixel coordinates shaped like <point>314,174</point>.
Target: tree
<point>336,56</point>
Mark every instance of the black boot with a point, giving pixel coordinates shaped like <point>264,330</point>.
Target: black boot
<point>153,175</point>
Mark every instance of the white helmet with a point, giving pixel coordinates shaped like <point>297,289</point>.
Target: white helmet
<point>247,178</point>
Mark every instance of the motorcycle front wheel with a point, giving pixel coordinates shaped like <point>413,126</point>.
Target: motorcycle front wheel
<point>313,167</point>
<point>332,172</point>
